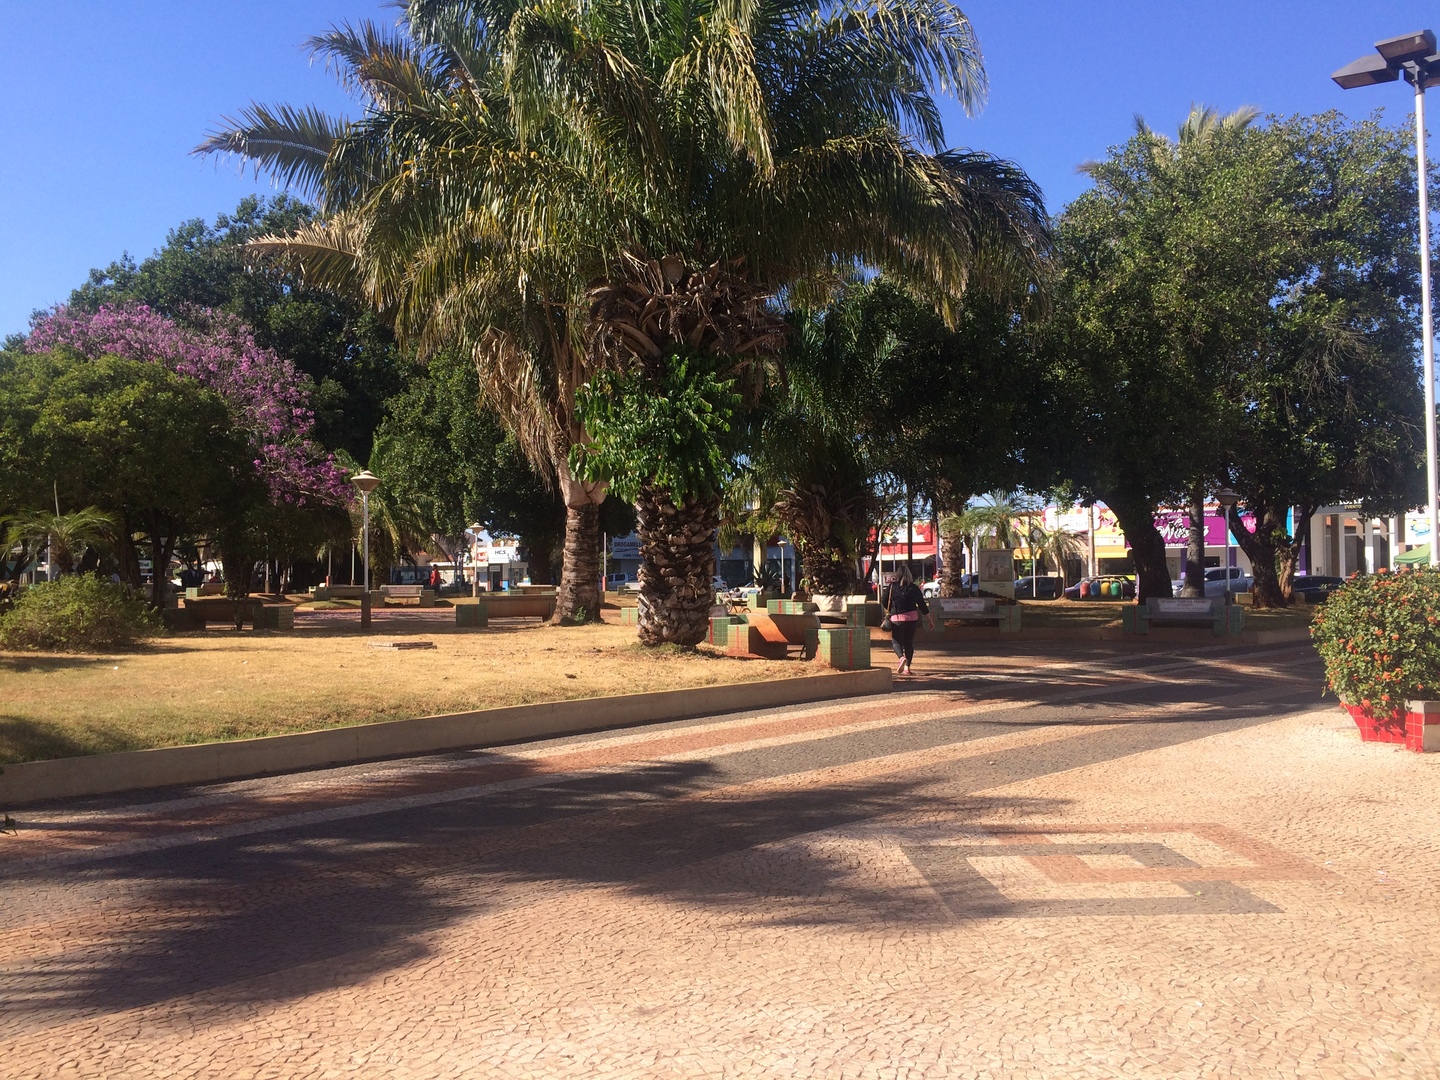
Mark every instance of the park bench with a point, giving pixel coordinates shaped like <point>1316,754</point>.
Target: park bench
<point>237,612</point>
<point>772,633</point>
<point>475,613</point>
<point>976,609</point>
<point>419,593</point>
<point>1211,611</point>
<point>337,592</point>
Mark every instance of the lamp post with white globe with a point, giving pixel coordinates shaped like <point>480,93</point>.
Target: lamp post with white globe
<point>365,482</point>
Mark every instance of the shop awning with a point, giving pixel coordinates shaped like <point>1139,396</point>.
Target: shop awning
<point>1419,556</point>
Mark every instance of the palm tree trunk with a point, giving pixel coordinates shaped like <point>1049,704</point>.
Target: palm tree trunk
<point>677,565</point>
<point>825,567</point>
<point>579,595</point>
<point>954,564</point>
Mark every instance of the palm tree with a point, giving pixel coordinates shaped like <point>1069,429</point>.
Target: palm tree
<point>431,256</point>
<point>68,535</point>
<point>699,159</point>
<point>1055,546</point>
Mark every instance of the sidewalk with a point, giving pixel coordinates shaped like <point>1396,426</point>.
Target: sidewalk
<point>1016,866</point>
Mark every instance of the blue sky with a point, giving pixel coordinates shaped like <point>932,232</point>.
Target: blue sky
<point>100,102</point>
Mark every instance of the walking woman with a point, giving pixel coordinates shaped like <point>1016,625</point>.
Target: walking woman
<point>905,603</point>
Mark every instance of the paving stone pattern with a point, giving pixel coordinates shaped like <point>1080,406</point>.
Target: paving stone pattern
<point>1083,864</point>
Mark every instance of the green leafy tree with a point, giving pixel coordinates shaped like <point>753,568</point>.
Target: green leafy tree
<point>154,451</point>
<point>1238,305</point>
<point>340,342</point>
<point>452,461</point>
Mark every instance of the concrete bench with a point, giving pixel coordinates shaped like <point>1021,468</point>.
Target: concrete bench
<point>419,593</point>
<point>224,609</point>
<point>768,634</point>
<point>964,610</point>
<point>476,613</point>
<point>337,592</point>
<point>1211,611</point>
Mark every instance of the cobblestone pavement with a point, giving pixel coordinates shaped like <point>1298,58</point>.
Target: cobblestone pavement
<point>1091,864</point>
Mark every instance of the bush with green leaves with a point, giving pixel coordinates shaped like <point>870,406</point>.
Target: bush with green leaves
<point>77,613</point>
<point>1379,636</point>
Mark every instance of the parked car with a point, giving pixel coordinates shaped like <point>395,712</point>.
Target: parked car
<point>1089,588</point>
<point>1037,587</point>
<point>968,584</point>
<point>1215,581</point>
<point>1315,588</point>
<point>615,582</point>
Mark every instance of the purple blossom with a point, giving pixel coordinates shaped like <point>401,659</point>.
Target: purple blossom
<point>266,394</point>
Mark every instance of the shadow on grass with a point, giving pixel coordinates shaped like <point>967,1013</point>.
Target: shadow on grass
<point>24,739</point>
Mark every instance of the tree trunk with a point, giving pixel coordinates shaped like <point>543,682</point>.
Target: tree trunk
<point>579,595</point>
<point>950,581</point>
<point>540,557</point>
<point>1147,546</point>
<point>126,555</point>
<point>1272,551</point>
<point>677,565</point>
<point>1195,546</point>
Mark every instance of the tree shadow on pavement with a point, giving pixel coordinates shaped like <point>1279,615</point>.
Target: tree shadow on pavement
<point>278,915</point>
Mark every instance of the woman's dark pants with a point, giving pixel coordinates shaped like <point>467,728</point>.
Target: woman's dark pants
<point>902,639</point>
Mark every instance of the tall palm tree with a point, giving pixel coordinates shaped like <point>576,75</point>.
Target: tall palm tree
<point>418,193</point>
<point>526,172</point>
<point>763,147</point>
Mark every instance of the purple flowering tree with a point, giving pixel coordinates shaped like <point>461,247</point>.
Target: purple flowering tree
<point>267,401</point>
<point>265,392</point>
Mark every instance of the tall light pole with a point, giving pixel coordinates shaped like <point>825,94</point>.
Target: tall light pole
<point>1414,56</point>
<point>366,482</point>
<point>1226,498</point>
<point>475,528</point>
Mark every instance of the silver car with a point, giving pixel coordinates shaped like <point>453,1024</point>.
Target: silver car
<point>1215,581</point>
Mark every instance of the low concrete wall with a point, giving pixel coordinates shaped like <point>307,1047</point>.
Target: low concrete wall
<point>101,774</point>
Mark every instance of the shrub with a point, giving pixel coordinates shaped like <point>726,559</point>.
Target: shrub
<point>1379,636</point>
<point>77,613</point>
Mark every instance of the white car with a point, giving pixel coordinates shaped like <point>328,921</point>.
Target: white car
<point>930,590</point>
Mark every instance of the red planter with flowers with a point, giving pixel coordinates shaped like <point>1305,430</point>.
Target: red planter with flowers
<point>1418,727</point>
<point>1379,636</point>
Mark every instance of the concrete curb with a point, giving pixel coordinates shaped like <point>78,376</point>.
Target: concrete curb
<point>103,774</point>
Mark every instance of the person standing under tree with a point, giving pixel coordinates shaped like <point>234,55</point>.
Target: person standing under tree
<point>905,603</point>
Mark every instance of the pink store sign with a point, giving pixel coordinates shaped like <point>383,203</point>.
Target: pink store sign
<point>1174,526</point>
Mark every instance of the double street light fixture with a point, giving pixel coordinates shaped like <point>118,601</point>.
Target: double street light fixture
<point>365,481</point>
<point>1415,57</point>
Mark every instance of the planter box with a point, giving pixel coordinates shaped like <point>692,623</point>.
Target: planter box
<point>844,648</point>
<point>1419,730</point>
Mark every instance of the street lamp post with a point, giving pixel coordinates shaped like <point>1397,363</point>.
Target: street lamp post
<point>783,590</point>
<point>1226,498</point>
<point>1414,56</point>
<point>475,528</point>
<point>366,482</point>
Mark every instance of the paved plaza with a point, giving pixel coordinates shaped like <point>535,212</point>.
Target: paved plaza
<point>1060,864</point>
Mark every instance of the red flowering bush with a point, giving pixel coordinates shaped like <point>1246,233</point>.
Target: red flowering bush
<point>1379,636</point>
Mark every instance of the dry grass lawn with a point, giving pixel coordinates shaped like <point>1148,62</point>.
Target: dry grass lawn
<point>219,684</point>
